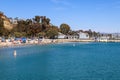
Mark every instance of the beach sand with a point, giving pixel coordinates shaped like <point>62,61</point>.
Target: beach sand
<point>46,41</point>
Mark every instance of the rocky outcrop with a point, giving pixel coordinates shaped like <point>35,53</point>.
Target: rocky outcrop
<point>6,21</point>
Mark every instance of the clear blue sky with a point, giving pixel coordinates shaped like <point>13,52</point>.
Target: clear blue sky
<point>98,15</point>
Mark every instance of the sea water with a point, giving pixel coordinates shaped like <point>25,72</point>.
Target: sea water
<point>65,61</point>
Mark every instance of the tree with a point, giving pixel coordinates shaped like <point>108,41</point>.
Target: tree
<point>90,32</point>
<point>48,21</point>
<point>1,22</point>
<point>52,33</point>
<point>37,26</point>
<point>37,19</point>
<point>29,22</point>
<point>41,34</point>
<point>21,26</point>
<point>65,28</point>
<point>1,27</point>
<point>18,34</point>
<point>72,32</point>
<point>95,34</point>
<point>1,13</point>
<point>44,23</point>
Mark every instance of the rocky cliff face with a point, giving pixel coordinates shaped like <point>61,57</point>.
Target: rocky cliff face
<point>6,22</point>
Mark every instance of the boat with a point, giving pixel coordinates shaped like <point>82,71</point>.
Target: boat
<point>15,53</point>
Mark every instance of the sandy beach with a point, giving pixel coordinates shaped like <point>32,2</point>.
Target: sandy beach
<point>38,42</point>
<point>46,41</point>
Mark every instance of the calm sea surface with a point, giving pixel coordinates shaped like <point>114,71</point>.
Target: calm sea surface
<point>68,61</point>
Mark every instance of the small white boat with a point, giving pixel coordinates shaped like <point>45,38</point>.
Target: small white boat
<point>15,53</point>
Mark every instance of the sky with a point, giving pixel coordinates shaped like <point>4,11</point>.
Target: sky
<point>97,15</point>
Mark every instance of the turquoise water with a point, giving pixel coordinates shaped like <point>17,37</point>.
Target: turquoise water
<point>68,61</point>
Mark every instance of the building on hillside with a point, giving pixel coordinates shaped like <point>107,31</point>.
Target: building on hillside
<point>6,21</point>
<point>83,35</point>
<point>13,21</point>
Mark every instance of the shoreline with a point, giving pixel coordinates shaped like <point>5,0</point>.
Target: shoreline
<point>48,41</point>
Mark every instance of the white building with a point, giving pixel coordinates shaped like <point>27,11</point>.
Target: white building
<point>72,36</point>
<point>103,38</point>
<point>83,35</point>
<point>116,36</point>
<point>13,21</point>
<point>61,36</point>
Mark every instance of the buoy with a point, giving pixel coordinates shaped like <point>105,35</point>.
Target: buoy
<point>15,53</point>
<point>73,45</point>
